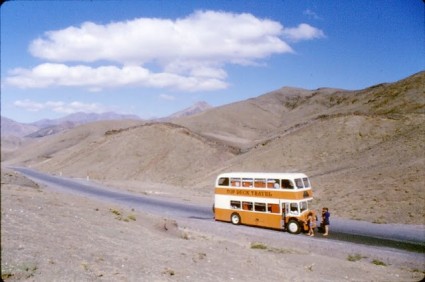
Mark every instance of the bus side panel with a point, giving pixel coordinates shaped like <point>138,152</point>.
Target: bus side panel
<point>224,214</point>
<point>267,220</point>
<point>265,193</point>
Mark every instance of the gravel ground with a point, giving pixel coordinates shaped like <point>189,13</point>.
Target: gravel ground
<point>52,236</point>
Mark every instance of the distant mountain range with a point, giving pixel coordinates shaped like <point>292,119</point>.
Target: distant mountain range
<point>11,127</point>
<point>46,127</point>
<point>82,118</point>
<point>193,110</point>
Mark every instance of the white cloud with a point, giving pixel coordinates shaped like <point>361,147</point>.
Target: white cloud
<point>60,107</point>
<point>202,36</point>
<point>303,32</point>
<point>167,97</point>
<point>95,79</point>
<point>29,105</point>
<point>188,54</point>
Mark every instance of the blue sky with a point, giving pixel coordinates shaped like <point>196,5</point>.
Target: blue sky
<point>154,58</point>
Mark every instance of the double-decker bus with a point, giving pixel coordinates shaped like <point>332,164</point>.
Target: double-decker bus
<point>271,200</point>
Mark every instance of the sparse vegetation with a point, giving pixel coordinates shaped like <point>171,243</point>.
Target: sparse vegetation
<point>259,246</point>
<point>310,267</point>
<point>116,212</point>
<point>378,262</point>
<point>85,266</point>
<point>19,272</point>
<point>282,251</point>
<point>131,217</point>
<point>355,257</point>
<point>120,216</point>
<point>169,272</point>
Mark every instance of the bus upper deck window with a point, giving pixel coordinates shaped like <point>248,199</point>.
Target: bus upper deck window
<point>260,183</point>
<point>299,183</point>
<point>273,183</point>
<point>224,181</point>
<point>247,182</point>
<point>287,184</point>
<point>306,182</point>
<point>235,182</point>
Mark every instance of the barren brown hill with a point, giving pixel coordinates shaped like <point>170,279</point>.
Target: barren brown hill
<point>247,122</point>
<point>41,149</point>
<point>128,154</point>
<point>363,149</point>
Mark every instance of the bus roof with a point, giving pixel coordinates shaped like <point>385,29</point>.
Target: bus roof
<point>277,175</point>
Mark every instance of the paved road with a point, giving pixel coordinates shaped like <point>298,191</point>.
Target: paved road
<point>406,237</point>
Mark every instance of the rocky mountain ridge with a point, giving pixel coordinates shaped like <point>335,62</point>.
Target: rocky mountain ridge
<point>46,127</point>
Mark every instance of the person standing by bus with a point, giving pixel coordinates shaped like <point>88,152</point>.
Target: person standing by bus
<point>311,224</point>
<point>325,219</point>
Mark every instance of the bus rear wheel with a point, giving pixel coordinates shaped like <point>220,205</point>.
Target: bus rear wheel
<point>235,218</point>
<point>293,226</point>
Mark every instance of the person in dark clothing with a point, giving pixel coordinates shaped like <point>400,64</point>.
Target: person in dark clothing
<point>325,220</point>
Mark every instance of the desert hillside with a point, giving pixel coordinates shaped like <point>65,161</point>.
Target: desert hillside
<point>364,150</point>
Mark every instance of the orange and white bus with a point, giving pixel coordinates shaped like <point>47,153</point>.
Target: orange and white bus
<point>270,200</point>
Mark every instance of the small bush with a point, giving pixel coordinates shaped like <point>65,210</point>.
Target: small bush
<point>378,262</point>
<point>6,275</point>
<point>120,216</point>
<point>355,257</point>
<point>116,212</point>
<point>185,236</point>
<point>169,272</point>
<point>19,272</point>
<point>259,246</point>
<point>132,217</point>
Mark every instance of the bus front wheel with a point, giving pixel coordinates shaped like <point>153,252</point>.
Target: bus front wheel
<point>294,226</point>
<point>235,218</point>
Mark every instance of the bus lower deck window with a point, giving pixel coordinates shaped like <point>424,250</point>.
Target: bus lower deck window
<point>247,206</point>
<point>260,207</point>
<point>235,204</point>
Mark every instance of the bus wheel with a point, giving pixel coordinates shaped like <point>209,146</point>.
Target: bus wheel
<point>293,227</point>
<point>235,218</point>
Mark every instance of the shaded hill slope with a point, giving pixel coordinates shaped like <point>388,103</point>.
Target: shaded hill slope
<point>42,149</point>
<point>150,152</point>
